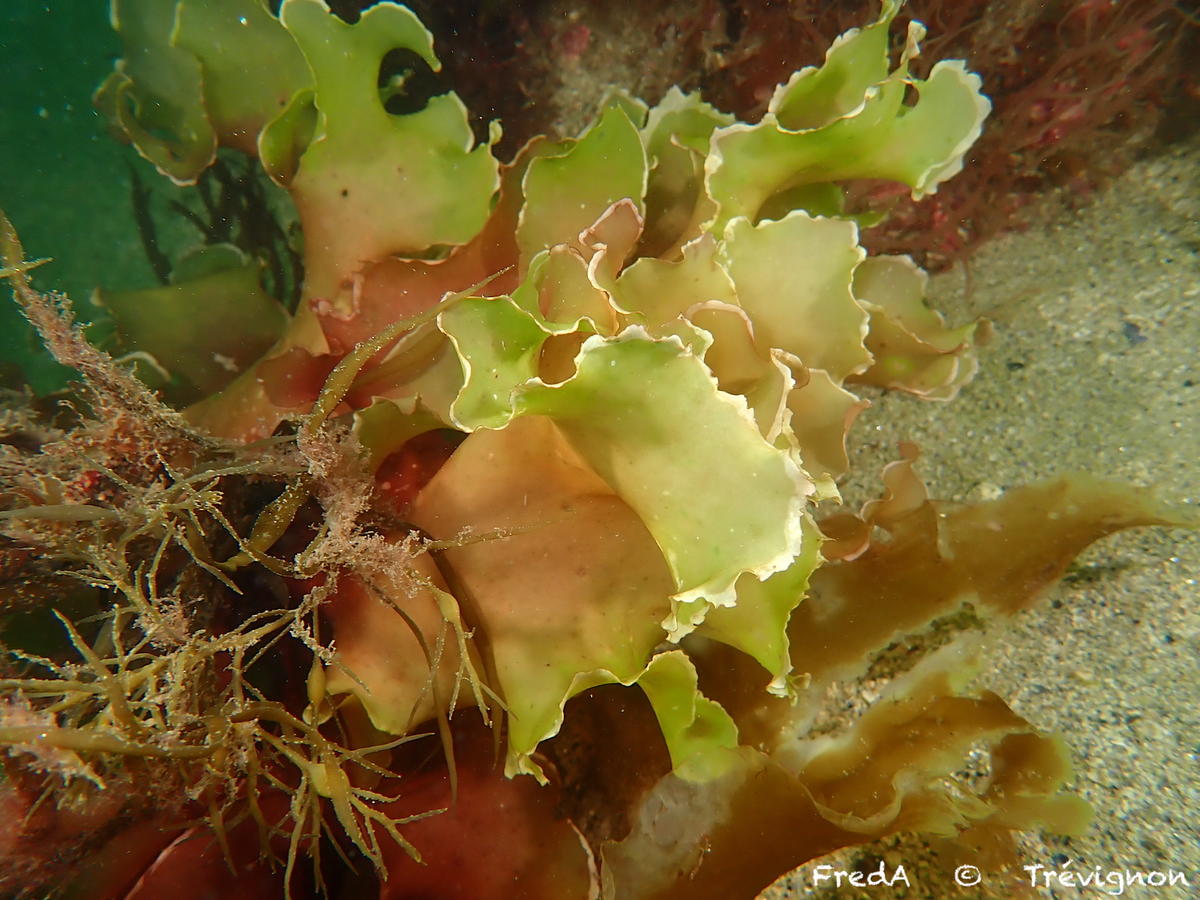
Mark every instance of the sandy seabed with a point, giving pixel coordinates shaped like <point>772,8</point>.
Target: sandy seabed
<point>1093,367</point>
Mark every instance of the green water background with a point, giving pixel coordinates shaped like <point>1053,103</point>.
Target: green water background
<point>64,182</point>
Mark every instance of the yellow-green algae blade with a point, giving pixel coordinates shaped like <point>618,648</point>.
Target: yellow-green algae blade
<point>154,95</point>
<point>848,120</point>
<point>719,500</point>
<point>793,278</point>
<point>372,183</point>
<point>497,345</point>
<point>565,194</point>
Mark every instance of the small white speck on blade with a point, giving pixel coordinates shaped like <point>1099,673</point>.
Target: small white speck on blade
<point>225,362</point>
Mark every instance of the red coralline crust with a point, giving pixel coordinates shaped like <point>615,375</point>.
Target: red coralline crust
<point>1078,88</point>
<point>402,474</point>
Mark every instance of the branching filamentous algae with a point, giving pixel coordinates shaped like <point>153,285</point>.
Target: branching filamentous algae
<point>506,566</point>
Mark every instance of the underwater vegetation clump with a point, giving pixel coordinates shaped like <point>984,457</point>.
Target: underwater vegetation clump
<point>510,564</point>
<point>1079,88</point>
